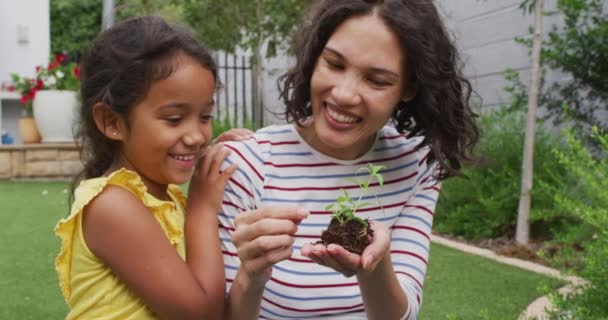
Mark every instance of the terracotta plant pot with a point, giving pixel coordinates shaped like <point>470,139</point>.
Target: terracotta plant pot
<point>28,130</point>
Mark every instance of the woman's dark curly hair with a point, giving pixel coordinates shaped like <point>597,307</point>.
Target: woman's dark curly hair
<point>439,111</point>
<point>118,69</point>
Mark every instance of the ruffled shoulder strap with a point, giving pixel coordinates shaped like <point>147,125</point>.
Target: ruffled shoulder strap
<point>83,195</point>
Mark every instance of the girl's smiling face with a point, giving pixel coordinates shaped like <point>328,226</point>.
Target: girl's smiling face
<point>356,84</point>
<point>170,127</point>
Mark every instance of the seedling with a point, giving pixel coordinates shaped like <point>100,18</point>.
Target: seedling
<point>345,208</point>
<point>345,228</point>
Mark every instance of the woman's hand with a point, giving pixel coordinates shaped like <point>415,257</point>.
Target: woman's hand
<point>208,181</point>
<point>348,263</point>
<point>235,134</point>
<point>264,237</point>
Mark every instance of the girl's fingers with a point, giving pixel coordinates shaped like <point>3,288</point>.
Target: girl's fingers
<point>209,155</point>
<point>216,163</point>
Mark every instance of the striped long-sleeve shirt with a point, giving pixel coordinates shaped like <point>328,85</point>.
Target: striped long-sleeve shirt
<point>277,167</point>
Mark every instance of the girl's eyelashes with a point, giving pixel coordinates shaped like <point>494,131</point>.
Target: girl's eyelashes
<point>206,118</point>
<point>174,119</point>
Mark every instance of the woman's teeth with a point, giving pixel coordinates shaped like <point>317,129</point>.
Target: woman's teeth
<point>341,117</point>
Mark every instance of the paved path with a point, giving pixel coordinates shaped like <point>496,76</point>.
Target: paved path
<point>536,310</point>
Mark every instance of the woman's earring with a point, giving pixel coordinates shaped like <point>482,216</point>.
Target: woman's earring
<point>115,133</point>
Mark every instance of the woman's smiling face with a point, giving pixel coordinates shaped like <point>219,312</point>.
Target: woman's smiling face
<point>356,84</point>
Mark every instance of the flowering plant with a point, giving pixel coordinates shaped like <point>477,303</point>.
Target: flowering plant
<point>59,74</point>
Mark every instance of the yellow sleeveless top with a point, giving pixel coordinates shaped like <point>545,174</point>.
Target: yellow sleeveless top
<point>89,287</point>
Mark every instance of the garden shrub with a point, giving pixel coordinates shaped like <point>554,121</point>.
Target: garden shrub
<point>483,203</point>
<point>586,199</point>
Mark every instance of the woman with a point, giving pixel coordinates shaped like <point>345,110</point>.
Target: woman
<point>361,66</point>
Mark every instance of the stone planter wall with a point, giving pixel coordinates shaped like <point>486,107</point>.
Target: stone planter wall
<point>39,161</point>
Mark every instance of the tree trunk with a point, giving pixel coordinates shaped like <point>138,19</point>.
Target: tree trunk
<point>258,71</point>
<point>522,234</point>
<point>107,19</point>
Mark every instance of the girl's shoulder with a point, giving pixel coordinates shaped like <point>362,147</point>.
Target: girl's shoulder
<point>120,192</point>
<point>89,189</point>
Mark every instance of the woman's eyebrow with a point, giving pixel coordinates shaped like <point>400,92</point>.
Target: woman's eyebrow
<point>383,71</point>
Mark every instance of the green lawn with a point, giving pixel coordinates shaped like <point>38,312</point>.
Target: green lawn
<point>458,286</point>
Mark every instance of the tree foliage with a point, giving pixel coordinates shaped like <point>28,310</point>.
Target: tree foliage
<point>226,25</point>
<point>74,24</point>
<point>221,25</point>
<point>579,48</point>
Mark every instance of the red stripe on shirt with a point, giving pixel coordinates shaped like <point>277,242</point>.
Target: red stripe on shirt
<point>412,229</point>
<point>341,187</point>
<point>312,310</point>
<point>421,208</point>
<point>275,143</point>
<point>431,188</point>
<point>230,204</point>
<point>313,286</point>
<point>242,187</point>
<point>246,161</point>
<point>327,164</point>
<point>424,158</point>
<point>412,277</point>
<point>410,254</point>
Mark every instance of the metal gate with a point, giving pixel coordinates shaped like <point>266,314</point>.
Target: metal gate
<point>238,101</point>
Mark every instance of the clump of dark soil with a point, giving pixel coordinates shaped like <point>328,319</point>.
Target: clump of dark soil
<point>352,235</point>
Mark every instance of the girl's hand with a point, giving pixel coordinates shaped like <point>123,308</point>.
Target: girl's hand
<point>236,134</point>
<point>348,263</point>
<point>208,181</point>
<point>264,237</point>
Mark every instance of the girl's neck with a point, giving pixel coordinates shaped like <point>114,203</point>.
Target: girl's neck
<point>157,190</point>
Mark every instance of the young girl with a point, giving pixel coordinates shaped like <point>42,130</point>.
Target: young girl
<point>128,249</point>
<point>361,66</point>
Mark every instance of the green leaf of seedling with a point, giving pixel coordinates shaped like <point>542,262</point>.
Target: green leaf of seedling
<point>362,205</point>
<point>375,169</point>
<point>329,207</point>
<point>379,178</point>
<point>357,182</point>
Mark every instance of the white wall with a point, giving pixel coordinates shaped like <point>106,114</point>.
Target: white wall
<point>25,36</point>
<point>484,31</point>
<point>24,44</point>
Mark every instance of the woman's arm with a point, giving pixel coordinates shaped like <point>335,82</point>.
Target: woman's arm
<point>391,269</point>
<point>123,233</point>
<point>262,237</point>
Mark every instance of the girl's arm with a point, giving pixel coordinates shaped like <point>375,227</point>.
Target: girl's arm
<point>122,232</point>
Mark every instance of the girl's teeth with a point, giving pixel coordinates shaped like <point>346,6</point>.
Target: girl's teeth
<point>341,117</point>
<point>183,158</point>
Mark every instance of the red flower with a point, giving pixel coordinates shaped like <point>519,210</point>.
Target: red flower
<point>52,65</point>
<point>39,84</point>
<point>32,94</point>
<point>59,58</point>
<point>11,88</point>
<point>76,72</point>
<point>24,99</point>
<point>37,69</point>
